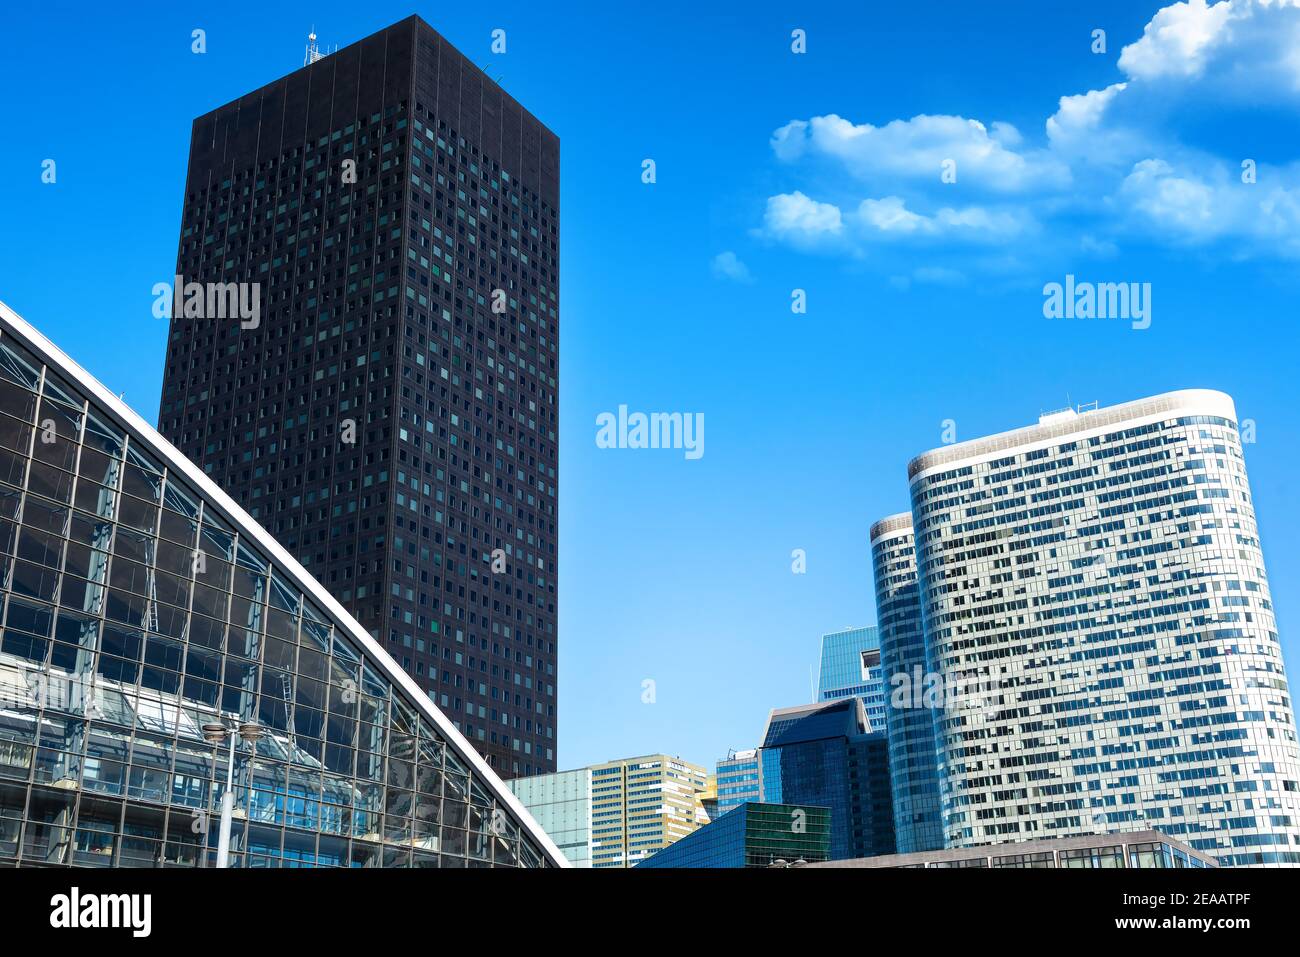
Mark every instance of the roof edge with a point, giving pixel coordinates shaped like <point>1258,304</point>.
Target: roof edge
<point>1209,401</point>
<point>890,525</point>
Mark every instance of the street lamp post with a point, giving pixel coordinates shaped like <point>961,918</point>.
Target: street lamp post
<point>215,733</point>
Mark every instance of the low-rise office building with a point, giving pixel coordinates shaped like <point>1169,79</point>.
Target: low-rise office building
<point>1128,849</point>
<point>560,803</point>
<point>753,835</point>
<point>641,805</point>
<point>739,779</point>
<point>618,813</point>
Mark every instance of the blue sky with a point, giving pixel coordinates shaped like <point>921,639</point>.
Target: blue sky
<point>819,171</point>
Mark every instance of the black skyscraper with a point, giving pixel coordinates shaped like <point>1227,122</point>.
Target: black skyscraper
<point>391,413</point>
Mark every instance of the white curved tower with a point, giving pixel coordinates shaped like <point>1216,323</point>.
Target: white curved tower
<point>1100,576</point>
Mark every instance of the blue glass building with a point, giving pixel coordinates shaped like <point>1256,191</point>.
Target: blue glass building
<point>850,667</point>
<point>823,755</point>
<point>913,759</point>
<point>752,835</point>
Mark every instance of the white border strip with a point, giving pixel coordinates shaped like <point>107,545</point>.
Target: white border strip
<point>139,428</point>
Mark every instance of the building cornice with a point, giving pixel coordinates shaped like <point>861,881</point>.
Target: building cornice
<point>1051,431</point>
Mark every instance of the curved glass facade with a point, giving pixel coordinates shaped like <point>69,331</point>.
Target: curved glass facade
<point>140,603</point>
<point>1101,575</point>
<point>913,762</point>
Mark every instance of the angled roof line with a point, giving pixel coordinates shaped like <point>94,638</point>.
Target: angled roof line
<point>10,321</point>
<point>808,710</point>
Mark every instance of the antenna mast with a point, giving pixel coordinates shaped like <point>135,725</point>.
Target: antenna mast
<point>313,50</point>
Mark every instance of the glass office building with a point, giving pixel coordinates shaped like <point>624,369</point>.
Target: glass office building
<point>753,835</point>
<point>909,724</point>
<point>850,667</point>
<point>739,779</point>
<point>560,803</point>
<point>1100,574</point>
<point>822,755</point>
<point>139,604</point>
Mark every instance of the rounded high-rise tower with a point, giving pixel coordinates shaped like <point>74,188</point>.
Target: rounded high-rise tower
<point>913,762</point>
<point>1099,574</point>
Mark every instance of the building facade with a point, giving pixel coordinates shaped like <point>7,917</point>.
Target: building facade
<point>1100,851</point>
<point>850,667</point>
<point>390,413</point>
<point>740,779</point>
<point>641,805</point>
<point>140,603</point>
<point>707,800</point>
<point>560,803</point>
<point>1099,576</point>
<point>822,755</point>
<point>753,835</point>
<point>913,760</point>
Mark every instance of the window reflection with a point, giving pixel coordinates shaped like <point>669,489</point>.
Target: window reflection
<point>132,615</point>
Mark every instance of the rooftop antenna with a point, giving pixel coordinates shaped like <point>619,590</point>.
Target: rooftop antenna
<point>313,50</point>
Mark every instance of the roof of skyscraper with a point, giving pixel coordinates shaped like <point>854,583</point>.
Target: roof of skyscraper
<point>1057,426</point>
<point>900,522</point>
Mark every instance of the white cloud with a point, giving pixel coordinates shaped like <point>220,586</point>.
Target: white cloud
<point>918,148</point>
<point>1248,50</point>
<point>806,222</point>
<point>1110,162</point>
<point>1210,203</point>
<point>727,265</point>
<point>889,215</point>
<point>1177,41</point>
<point>796,217</point>
<point>973,223</point>
<point>1167,199</point>
<point>1080,116</point>
<point>789,141</point>
<point>1005,134</point>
